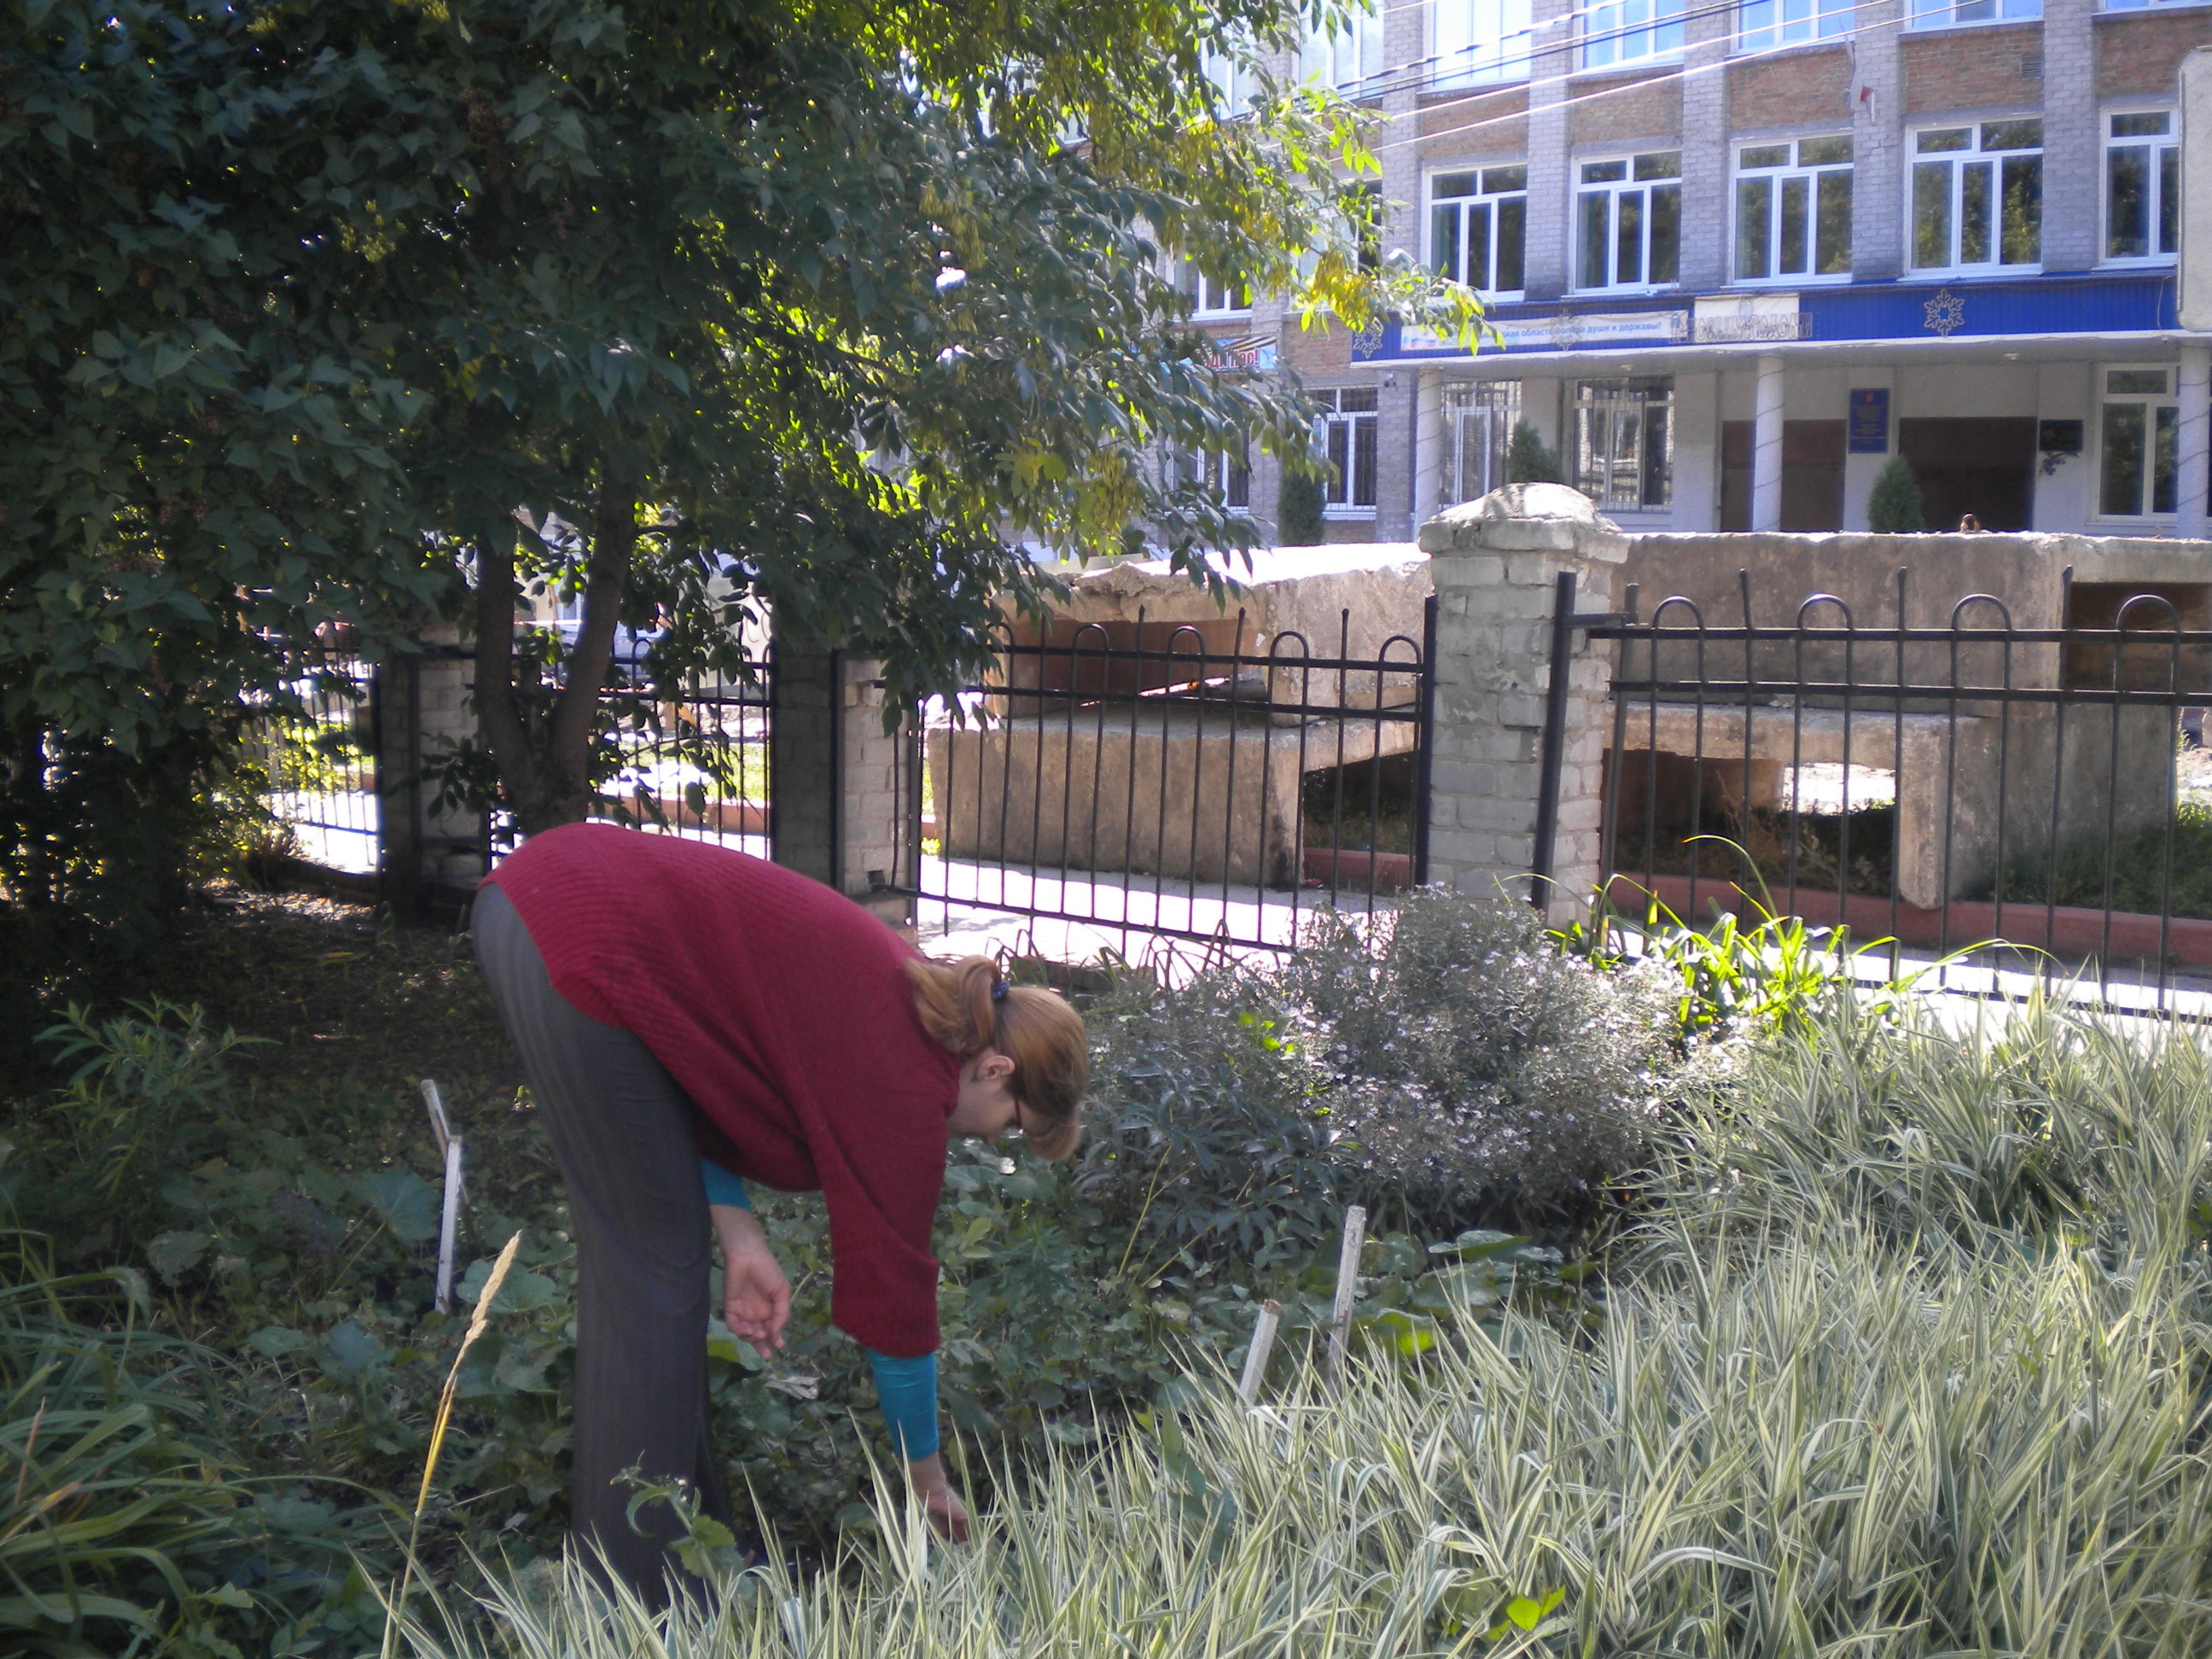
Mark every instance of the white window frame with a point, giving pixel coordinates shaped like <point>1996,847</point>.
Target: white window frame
<point>1623,33</point>
<point>1945,13</point>
<point>1630,184</point>
<point>2146,6</point>
<point>1479,42</point>
<point>1493,202</point>
<point>1604,403</point>
<point>1957,160</point>
<point>2158,144</point>
<point>1354,462</point>
<point>1346,58</point>
<point>1796,169</point>
<point>1226,473</point>
<point>2151,403</point>
<point>1479,416</point>
<point>1765,25</point>
<point>1212,298</point>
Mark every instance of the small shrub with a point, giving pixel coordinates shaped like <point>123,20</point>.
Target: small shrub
<point>1894,507</point>
<point>1299,502</point>
<point>1527,460</point>
<point>1485,1076</point>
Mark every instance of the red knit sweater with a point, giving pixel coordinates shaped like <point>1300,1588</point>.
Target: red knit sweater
<point>784,1011</point>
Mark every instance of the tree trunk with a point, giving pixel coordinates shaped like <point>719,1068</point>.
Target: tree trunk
<point>541,753</point>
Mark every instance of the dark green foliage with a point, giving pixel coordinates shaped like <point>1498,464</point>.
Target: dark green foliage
<point>1527,460</point>
<point>1298,499</point>
<point>2141,871</point>
<point>128,1522</point>
<point>1893,506</point>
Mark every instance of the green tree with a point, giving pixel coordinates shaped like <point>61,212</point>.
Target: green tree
<point>1298,504</point>
<point>1893,506</point>
<point>1527,458</point>
<point>359,310</point>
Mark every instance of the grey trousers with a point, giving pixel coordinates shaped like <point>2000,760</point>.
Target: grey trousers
<point>622,1132</point>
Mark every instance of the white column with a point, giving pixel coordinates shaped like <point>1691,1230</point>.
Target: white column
<point>1766,448</point>
<point>1429,434</point>
<point>2192,472</point>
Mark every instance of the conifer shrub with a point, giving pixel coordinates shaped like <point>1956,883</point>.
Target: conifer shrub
<point>1894,507</point>
<point>1527,460</point>
<point>1298,510</point>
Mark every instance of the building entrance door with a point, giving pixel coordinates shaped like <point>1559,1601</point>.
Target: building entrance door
<point>1984,466</point>
<point>1812,475</point>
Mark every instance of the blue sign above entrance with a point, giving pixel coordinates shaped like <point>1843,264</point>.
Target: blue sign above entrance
<point>1855,311</point>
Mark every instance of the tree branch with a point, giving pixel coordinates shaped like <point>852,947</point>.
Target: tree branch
<point>499,714</point>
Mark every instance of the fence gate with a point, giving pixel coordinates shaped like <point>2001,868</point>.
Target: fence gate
<point>1932,788</point>
<point>1113,783</point>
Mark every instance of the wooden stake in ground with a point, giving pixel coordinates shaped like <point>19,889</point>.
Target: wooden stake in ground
<point>1347,1292</point>
<point>1256,1357</point>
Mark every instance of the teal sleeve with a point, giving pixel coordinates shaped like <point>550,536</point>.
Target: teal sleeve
<point>722,1187</point>
<point>906,1391</point>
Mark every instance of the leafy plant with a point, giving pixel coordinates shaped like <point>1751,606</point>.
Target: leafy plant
<point>1299,503</point>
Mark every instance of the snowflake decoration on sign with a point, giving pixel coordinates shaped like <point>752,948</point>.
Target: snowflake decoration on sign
<point>1367,341</point>
<point>1945,314</point>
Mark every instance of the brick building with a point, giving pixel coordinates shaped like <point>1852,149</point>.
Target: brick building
<point>1739,252</point>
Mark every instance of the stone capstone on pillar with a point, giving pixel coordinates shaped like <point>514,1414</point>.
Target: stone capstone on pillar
<point>1496,563</point>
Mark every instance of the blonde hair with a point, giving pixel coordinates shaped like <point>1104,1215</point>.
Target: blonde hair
<point>1032,1027</point>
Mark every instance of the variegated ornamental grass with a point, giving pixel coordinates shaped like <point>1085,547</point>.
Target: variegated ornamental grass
<point>1913,1362</point>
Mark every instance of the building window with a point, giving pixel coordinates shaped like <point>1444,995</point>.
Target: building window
<point>2142,184</point>
<point>1941,14</point>
<point>1363,210</point>
<point>1473,41</point>
<point>1764,23</point>
<point>1629,213</point>
<point>1230,71</point>
<point>1478,227</point>
<point>1793,209</point>
<point>1478,420</point>
<point>1346,58</point>
<point>1623,441</point>
<point>2136,423</point>
<point>1226,473</point>
<point>1348,439</point>
<point>1630,31</point>
<point>1213,296</point>
<point>1977,196</point>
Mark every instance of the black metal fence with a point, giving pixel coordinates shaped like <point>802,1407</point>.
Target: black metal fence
<point>1117,781</point>
<point>357,754</point>
<point>1933,787</point>
<point>316,747</point>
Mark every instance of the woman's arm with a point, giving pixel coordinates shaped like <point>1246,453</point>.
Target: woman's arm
<point>756,1295</point>
<point>907,1390</point>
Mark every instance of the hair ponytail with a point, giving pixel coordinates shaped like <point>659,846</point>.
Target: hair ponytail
<point>965,1008</point>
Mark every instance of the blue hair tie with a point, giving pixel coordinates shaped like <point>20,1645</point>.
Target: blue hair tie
<point>998,990</point>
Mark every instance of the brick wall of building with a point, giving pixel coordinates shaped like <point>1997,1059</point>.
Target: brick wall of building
<point>1547,151</point>
<point>1877,105</point>
<point>1791,90</point>
<point>1702,89</point>
<point>1311,352</point>
<point>1481,124</point>
<point>2139,54</point>
<point>1972,69</point>
<point>1625,109</point>
<point>2072,154</point>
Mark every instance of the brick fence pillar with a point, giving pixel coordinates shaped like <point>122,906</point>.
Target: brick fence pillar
<point>834,777</point>
<point>430,855</point>
<point>1496,562</point>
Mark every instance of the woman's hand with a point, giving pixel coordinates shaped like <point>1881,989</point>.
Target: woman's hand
<point>947,1514</point>
<point>756,1295</point>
